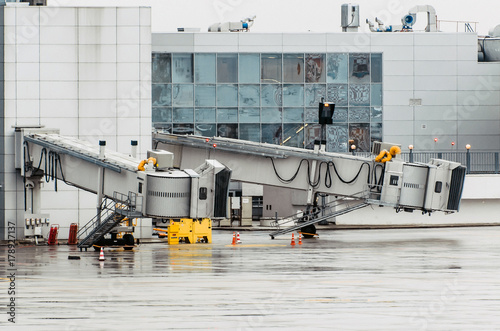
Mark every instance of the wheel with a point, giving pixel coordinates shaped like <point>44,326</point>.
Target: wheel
<point>128,248</point>
<point>128,239</point>
<point>308,231</point>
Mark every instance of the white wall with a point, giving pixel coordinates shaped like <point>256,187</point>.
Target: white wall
<point>85,71</point>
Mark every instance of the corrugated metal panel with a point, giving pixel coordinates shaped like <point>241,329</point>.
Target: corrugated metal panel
<point>168,196</point>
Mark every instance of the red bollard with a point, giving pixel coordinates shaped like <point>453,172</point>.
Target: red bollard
<point>54,230</point>
<point>73,229</point>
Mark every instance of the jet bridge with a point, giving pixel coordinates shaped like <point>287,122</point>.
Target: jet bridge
<point>123,191</point>
<point>436,186</point>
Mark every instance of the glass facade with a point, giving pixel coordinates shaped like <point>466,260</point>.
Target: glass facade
<point>270,97</point>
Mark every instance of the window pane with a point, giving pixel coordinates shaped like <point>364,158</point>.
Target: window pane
<point>271,68</point>
<point>163,127</point>
<point>359,115</point>
<point>376,94</point>
<point>314,93</point>
<point>227,115</point>
<point>376,132</point>
<point>205,130</point>
<point>250,132</point>
<point>161,68</point>
<point>227,95</point>
<point>340,115</point>
<point>359,68</point>
<point>162,94</point>
<point>205,115</point>
<point>183,115</point>
<point>271,133</point>
<point>182,95</point>
<point>337,94</point>
<point>183,129</point>
<point>293,68</point>
<point>227,130</point>
<point>293,135</point>
<point>359,94</point>
<point>182,68</point>
<point>337,68</point>
<point>376,68</point>
<point>204,95</point>
<point>227,68</point>
<point>249,95</point>
<point>312,132</point>
<point>271,115</point>
<point>336,138</point>
<point>311,115</point>
<point>293,115</point>
<point>360,133</point>
<point>204,68</point>
<point>162,114</point>
<point>249,115</point>
<point>376,114</point>
<point>249,68</point>
<point>271,96</point>
<point>315,68</point>
<point>293,95</point>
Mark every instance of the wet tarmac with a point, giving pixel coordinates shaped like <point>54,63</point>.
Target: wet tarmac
<point>399,279</point>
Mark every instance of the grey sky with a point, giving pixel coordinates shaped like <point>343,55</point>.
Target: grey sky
<point>300,15</point>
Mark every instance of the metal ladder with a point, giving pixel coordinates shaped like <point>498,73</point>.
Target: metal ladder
<point>348,207</point>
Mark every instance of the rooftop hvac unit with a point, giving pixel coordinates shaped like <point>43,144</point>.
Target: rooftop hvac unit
<point>350,17</point>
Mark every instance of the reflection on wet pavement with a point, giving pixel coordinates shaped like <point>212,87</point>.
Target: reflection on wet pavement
<point>410,279</point>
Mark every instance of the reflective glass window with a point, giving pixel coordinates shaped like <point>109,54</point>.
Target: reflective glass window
<point>271,115</point>
<point>376,114</point>
<point>182,68</point>
<point>359,114</point>
<point>359,68</point>
<point>249,115</point>
<point>376,95</point>
<point>249,68</point>
<point>271,95</point>
<point>311,115</point>
<point>204,115</point>
<point>249,95</point>
<point>161,95</point>
<point>250,132</point>
<point>183,115</point>
<point>163,127</point>
<point>227,130</point>
<point>161,68</point>
<point>204,95</point>
<point>293,68</point>
<point>182,95</point>
<point>312,132</point>
<point>227,95</point>
<point>227,68</point>
<point>315,68</point>
<point>271,133</point>
<point>293,115</point>
<point>376,132</point>
<point>293,95</point>
<point>293,135</point>
<point>360,133</point>
<point>227,115</point>
<point>359,94</point>
<point>376,68</point>
<point>340,115</point>
<point>314,94</point>
<point>337,94</point>
<point>337,138</point>
<point>205,129</point>
<point>270,68</point>
<point>162,114</point>
<point>184,128</point>
<point>337,68</point>
<point>204,68</point>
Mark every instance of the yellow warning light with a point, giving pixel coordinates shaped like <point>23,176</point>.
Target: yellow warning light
<point>326,105</point>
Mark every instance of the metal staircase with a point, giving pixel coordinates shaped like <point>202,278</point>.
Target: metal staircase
<point>113,212</point>
<point>331,210</point>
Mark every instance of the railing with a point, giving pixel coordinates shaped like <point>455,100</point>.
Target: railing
<point>476,162</point>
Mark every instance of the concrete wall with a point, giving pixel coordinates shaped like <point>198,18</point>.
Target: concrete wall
<point>459,98</point>
<point>85,71</point>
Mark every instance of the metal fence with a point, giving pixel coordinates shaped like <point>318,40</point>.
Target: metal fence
<point>476,162</point>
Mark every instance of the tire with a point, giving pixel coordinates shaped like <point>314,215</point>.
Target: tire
<point>308,231</point>
<point>128,239</point>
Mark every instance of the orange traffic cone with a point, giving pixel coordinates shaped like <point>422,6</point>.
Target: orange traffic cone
<point>293,240</point>
<point>234,239</point>
<point>101,256</point>
<point>300,238</point>
<point>238,240</point>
